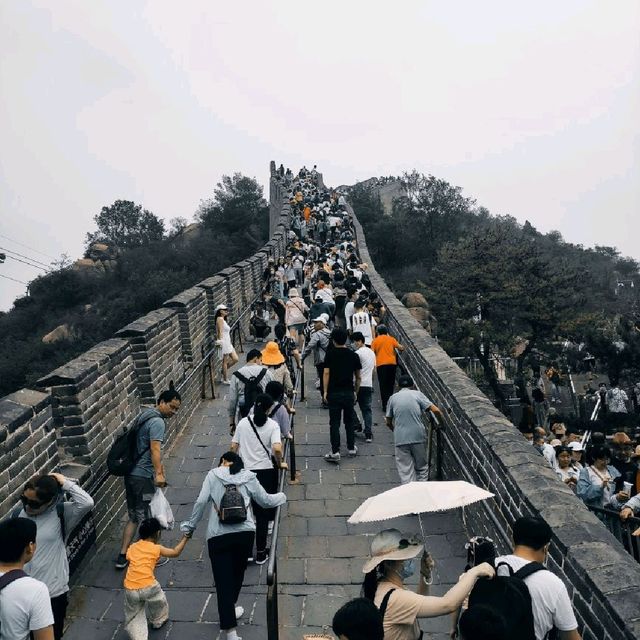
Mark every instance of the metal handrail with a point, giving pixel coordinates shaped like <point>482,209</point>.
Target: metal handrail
<point>622,530</point>
<point>272,566</point>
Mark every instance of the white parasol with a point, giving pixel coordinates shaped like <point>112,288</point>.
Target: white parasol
<point>416,498</point>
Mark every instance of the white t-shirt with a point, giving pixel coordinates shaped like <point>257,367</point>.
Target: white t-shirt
<point>251,451</point>
<point>549,598</point>
<point>368,363</point>
<point>24,606</point>
<point>363,322</point>
<point>349,310</point>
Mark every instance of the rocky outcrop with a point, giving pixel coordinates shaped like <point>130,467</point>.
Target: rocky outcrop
<point>61,332</point>
<point>414,299</point>
<point>418,307</point>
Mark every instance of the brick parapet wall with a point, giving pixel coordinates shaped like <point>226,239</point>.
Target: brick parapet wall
<point>27,442</point>
<point>484,447</point>
<point>193,316</point>
<point>156,347</point>
<point>70,421</point>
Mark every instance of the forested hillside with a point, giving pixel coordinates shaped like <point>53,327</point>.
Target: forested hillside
<point>90,300</point>
<point>498,286</point>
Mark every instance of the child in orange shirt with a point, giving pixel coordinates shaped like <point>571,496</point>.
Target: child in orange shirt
<point>142,590</point>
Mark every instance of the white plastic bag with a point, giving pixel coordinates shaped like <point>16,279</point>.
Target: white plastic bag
<point>161,509</point>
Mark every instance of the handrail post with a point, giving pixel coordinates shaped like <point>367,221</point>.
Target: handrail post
<point>272,605</point>
<point>292,452</point>
<point>302,382</point>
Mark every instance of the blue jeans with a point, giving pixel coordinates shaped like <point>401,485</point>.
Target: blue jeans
<point>341,404</point>
<point>365,396</point>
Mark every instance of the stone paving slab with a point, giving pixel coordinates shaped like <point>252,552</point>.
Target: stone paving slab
<point>320,555</point>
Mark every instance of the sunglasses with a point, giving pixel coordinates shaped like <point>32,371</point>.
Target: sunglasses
<point>33,504</point>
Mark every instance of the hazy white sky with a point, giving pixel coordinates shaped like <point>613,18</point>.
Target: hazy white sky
<point>532,108</point>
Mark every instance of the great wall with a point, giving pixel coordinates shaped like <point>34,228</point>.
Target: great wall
<point>68,422</point>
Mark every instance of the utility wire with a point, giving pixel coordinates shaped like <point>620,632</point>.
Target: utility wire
<point>27,246</point>
<point>15,253</point>
<point>35,266</point>
<point>10,278</point>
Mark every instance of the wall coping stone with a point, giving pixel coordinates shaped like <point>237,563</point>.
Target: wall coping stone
<point>142,325</point>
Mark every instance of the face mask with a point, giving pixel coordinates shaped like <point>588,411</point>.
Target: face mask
<point>408,569</point>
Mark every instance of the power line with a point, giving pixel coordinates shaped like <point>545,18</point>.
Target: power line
<point>15,253</point>
<point>10,278</point>
<point>35,266</point>
<point>27,246</point>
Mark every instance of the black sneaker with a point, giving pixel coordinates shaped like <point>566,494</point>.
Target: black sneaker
<point>121,561</point>
<point>368,438</point>
<point>261,557</point>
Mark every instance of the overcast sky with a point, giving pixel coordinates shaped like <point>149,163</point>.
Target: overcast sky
<point>532,108</point>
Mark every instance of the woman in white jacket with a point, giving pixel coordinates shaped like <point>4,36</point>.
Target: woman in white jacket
<point>229,544</point>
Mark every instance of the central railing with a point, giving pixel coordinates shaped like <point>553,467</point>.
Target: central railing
<point>272,566</point>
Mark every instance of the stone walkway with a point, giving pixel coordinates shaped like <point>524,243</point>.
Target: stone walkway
<point>319,554</point>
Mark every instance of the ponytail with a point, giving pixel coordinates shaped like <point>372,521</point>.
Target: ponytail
<point>370,584</point>
<point>262,405</point>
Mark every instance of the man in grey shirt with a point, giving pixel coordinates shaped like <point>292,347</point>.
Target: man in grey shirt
<point>253,369</point>
<point>148,473</point>
<point>404,418</point>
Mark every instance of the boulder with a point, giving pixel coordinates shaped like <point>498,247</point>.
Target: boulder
<point>414,299</point>
<point>61,332</point>
<point>84,264</point>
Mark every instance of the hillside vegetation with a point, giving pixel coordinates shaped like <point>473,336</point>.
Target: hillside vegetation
<point>147,266</point>
<point>500,287</point>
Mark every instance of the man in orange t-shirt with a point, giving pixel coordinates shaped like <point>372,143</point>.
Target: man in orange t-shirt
<point>385,346</point>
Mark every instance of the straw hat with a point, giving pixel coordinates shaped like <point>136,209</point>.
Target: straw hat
<point>293,293</point>
<point>271,354</point>
<point>390,544</point>
<point>620,438</point>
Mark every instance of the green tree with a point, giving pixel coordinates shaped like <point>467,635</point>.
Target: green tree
<point>126,224</point>
<point>494,289</point>
<point>237,208</point>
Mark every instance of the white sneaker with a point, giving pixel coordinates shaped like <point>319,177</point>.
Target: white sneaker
<point>332,457</point>
<point>225,382</point>
<point>239,611</point>
<point>353,452</point>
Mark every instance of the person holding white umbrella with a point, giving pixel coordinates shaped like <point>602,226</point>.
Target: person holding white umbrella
<point>393,560</point>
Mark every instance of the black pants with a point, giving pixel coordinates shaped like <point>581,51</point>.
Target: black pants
<point>268,478</point>
<point>387,379</point>
<point>59,608</point>
<point>341,407</point>
<point>228,554</point>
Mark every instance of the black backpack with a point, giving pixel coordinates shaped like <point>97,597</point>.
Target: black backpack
<point>251,390</point>
<point>232,509</point>
<point>123,455</point>
<point>509,596</point>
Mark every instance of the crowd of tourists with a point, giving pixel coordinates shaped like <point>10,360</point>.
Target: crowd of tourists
<point>324,307</point>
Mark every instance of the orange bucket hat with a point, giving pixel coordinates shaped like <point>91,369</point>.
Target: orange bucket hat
<point>271,354</point>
